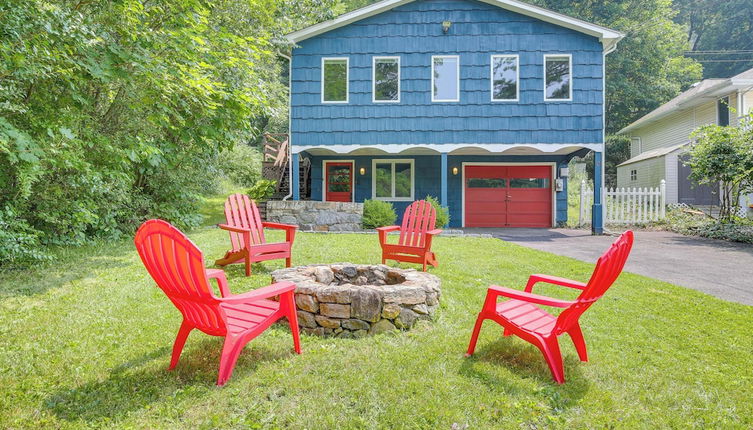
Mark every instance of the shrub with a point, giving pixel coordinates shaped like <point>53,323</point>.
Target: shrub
<point>378,213</point>
<point>19,242</point>
<point>241,164</point>
<point>682,220</point>
<point>262,190</point>
<point>443,214</point>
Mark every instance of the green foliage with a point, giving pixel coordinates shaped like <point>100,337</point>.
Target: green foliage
<point>262,190</point>
<point>691,223</point>
<point>19,242</point>
<point>241,164</point>
<point>724,155</point>
<point>443,213</point>
<point>378,213</point>
<point>115,112</point>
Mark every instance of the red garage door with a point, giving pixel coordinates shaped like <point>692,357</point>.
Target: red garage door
<point>508,196</point>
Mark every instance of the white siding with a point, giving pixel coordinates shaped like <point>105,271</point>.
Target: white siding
<point>748,101</point>
<point>671,174</point>
<point>649,173</point>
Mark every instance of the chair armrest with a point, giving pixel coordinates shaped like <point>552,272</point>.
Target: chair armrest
<point>388,228</point>
<point>496,290</point>
<point>434,232</point>
<point>219,276</point>
<point>535,279</point>
<point>262,293</point>
<point>279,226</point>
<point>233,228</point>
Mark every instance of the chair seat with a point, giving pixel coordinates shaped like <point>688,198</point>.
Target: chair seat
<point>404,249</point>
<point>527,316</point>
<point>245,316</point>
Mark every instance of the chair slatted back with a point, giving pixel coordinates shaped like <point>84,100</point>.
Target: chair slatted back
<point>241,211</point>
<point>419,218</point>
<point>608,268</point>
<point>177,266</point>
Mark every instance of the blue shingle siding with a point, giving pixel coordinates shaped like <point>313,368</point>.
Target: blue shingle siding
<point>427,179</point>
<point>413,32</point>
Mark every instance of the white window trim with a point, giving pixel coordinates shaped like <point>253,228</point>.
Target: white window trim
<point>572,77</point>
<point>457,74</point>
<point>517,77</point>
<point>639,146</point>
<point>347,80</point>
<point>373,79</point>
<point>393,161</point>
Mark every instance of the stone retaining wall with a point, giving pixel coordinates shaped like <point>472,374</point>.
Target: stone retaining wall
<point>316,216</point>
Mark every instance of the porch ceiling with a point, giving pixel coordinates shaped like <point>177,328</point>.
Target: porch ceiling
<point>451,149</point>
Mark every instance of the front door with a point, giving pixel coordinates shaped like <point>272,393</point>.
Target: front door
<point>338,181</point>
<point>508,196</point>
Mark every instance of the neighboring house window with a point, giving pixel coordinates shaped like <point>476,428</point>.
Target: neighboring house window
<point>558,78</point>
<point>633,175</point>
<point>386,79</point>
<point>635,146</point>
<point>722,111</point>
<point>334,80</point>
<point>445,78</point>
<point>504,77</point>
<point>392,180</point>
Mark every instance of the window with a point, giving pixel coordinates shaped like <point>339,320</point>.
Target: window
<point>486,183</point>
<point>504,77</point>
<point>445,78</point>
<point>529,183</point>
<point>633,175</point>
<point>635,146</point>
<point>334,80</point>
<point>392,180</point>
<point>386,79</point>
<point>722,111</point>
<point>557,78</point>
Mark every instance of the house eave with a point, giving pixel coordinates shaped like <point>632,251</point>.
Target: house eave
<point>607,36</point>
<point>448,148</point>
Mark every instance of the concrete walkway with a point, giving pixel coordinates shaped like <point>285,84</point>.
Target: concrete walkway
<point>719,268</point>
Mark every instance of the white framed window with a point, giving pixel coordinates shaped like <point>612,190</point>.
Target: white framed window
<point>445,78</point>
<point>393,180</point>
<point>335,71</point>
<point>558,77</point>
<point>505,78</point>
<point>633,175</point>
<point>385,80</point>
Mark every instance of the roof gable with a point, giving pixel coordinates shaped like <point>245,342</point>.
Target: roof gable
<point>608,37</point>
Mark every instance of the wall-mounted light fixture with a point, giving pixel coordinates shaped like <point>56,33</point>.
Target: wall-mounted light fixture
<point>446,26</point>
<point>454,170</point>
<point>362,171</point>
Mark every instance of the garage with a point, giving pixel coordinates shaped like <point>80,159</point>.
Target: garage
<point>507,196</point>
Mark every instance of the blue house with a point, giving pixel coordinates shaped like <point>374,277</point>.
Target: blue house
<point>478,103</point>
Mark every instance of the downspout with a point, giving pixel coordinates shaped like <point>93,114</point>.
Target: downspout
<point>290,137</point>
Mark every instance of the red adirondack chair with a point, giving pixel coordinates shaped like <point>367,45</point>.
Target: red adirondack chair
<point>177,266</point>
<point>416,233</point>
<point>520,315</point>
<point>247,235</point>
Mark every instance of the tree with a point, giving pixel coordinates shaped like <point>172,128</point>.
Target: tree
<point>724,155</point>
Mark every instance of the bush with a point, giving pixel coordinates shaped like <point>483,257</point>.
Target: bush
<point>262,190</point>
<point>19,242</point>
<point>378,213</point>
<point>443,214</point>
<point>241,164</point>
<point>681,220</point>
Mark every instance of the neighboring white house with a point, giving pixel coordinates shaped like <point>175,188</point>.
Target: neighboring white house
<point>659,139</point>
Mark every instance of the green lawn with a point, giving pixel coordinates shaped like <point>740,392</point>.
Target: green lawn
<point>85,342</point>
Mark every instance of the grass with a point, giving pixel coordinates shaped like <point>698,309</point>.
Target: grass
<point>85,342</point>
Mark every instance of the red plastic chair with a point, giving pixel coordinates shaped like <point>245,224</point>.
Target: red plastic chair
<point>177,266</point>
<point>247,235</point>
<point>416,234</point>
<point>520,315</point>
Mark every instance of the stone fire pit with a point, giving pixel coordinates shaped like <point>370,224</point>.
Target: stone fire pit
<point>349,300</point>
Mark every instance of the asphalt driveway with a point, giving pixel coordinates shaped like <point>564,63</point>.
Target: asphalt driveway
<point>719,268</point>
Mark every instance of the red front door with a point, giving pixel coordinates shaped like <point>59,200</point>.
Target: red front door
<point>508,196</point>
<point>338,181</point>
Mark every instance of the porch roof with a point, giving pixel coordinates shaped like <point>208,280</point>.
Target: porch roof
<point>451,149</point>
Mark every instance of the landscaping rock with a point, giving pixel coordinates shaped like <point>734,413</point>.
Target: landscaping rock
<point>406,319</point>
<point>306,303</point>
<point>335,293</point>
<point>306,319</point>
<point>366,304</point>
<point>391,311</point>
<point>382,326</point>
<point>334,310</point>
<point>356,325</point>
<point>420,309</point>
<point>404,295</point>
<point>327,322</point>
<point>324,275</point>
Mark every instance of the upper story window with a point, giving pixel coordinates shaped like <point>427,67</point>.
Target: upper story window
<point>386,79</point>
<point>445,78</point>
<point>722,111</point>
<point>558,77</point>
<point>635,146</point>
<point>335,80</point>
<point>505,77</point>
<point>392,180</point>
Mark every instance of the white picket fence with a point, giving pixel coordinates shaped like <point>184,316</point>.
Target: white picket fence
<point>626,205</point>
